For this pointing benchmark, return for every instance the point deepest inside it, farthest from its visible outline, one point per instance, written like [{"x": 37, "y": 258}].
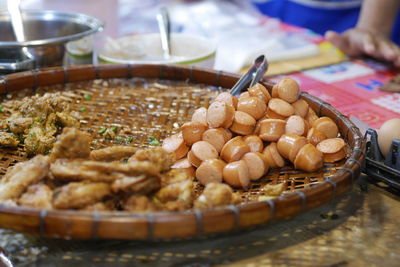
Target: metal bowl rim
[{"x": 93, "y": 23}]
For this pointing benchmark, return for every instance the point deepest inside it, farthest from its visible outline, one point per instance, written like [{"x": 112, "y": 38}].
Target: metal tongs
[
  {"x": 253, "y": 75},
  {"x": 164, "y": 26},
  {"x": 14, "y": 11}
]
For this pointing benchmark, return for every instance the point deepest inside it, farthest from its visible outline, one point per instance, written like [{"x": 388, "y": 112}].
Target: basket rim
[{"x": 265, "y": 211}]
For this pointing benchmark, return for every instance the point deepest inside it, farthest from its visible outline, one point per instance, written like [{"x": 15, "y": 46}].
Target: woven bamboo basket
[{"x": 305, "y": 191}]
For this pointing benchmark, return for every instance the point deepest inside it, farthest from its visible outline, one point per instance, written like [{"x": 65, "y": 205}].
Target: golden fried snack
[
  {"x": 99, "y": 206},
  {"x": 8, "y": 139},
  {"x": 176, "y": 196},
  {"x": 72, "y": 143},
  {"x": 17, "y": 124},
  {"x": 272, "y": 191},
  {"x": 138, "y": 203},
  {"x": 80, "y": 194},
  {"x": 176, "y": 175},
  {"x": 66, "y": 120},
  {"x": 214, "y": 195},
  {"x": 113, "y": 153},
  {"x": 37, "y": 196},
  {"x": 156, "y": 155},
  {"x": 65, "y": 169},
  {"x": 141, "y": 184},
  {"x": 130, "y": 168},
  {"x": 23, "y": 174}
]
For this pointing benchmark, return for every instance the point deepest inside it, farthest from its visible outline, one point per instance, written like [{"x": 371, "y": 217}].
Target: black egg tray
[{"x": 385, "y": 169}]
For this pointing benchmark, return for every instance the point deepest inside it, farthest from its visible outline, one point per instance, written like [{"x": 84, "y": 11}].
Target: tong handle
[{"x": 253, "y": 75}]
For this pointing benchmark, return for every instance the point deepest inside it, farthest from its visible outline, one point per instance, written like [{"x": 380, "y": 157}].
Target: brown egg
[{"x": 389, "y": 131}]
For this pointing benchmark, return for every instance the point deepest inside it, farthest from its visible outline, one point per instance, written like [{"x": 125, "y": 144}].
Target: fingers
[
  {"x": 368, "y": 44},
  {"x": 389, "y": 51},
  {"x": 383, "y": 49},
  {"x": 340, "y": 41},
  {"x": 356, "y": 42}
]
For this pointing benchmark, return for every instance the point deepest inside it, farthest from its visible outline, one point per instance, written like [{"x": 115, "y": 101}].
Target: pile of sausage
[{"x": 237, "y": 140}]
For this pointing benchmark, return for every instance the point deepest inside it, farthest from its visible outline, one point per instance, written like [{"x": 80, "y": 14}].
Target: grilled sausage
[
  {"x": 308, "y": 159},
  {"x": 184, "y": 165},
  {"x": 210, "y": 171},
  {"x": 290, "y": 144},
  {"x": 234, "y": 149},
  {"x": 253, "y": 106},
  {"x": 315, "y": 136},
  {"x": 192, "y": 132},
  {"x": 278, "y": 108},
  {"x": 200, "y": 152},
  {"x": 272, "y": 156},
  {"x": 296, "y": 125},
  {"x": 271, "y": 129},
  {"x": 254, "y": 142},
  {"x": 228, "y": 98},
  {"x": 256, "y": 163},
  {"x": 333, "y": 149},
  {"x": 175, "y": 144},
  {"x": 300, "y": 107},
  {"x": 327, "y": 126},
  {"x": 258, "y": 90},
  {"x": 217, "y": 137},
  {"x": 220, "y": 114},
  {"x": 236, "y": 174},
  {"x": 200, "y": 115},
  {"x": 288, "y": 90},
  {"x": 243, "y": 123}
]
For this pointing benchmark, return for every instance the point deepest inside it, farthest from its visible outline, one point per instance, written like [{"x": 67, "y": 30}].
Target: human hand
[{"x": 356, "y": 42}]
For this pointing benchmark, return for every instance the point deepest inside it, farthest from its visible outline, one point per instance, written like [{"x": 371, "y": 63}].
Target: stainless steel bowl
[{"x": 46, "y": 33}]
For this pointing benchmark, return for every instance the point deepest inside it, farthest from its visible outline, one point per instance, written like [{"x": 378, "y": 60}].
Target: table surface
[{"x": 357, "y": 229}]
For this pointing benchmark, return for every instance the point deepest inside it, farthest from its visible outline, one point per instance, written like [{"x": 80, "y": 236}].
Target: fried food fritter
[
  {"x": 18, "y": 125},
  {"x": 214, "y": 195},
  {"x": 77, "y": 195},
  {"x": 142, "y": 184},
  {"x": 37, "y": 196},
  {"x": 174, "y": 176},
  {"x": 274, "y": 190},
  {"x": 66, "y": 120},
  {"x": 157, "y": 155},
  {"x": 8, "y": 139},
  {"x": 100, "y": 206},
  {"x": 23, "y": 174},
  {"x": 113, "y": 153},
  {"x": 38, "y": 141},
  {"x": 176, "y": 196},
  {"x": 71, "y": 144},
  {"x": 131, "y": 168},
  {"x": 65, "y": 169},
  {"x": 37, "y": 119},
  {"x": 138, "y": 203}
]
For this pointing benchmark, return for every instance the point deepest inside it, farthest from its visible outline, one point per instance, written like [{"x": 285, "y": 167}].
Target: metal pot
[{"x": 46, "y": 33}]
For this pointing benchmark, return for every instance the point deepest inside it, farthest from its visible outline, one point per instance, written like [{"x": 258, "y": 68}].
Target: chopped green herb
[
  {"x": 102, "y": 130},
  {"x": 119, "y": 139},
  {"x": 153, "y": 141},
  {"x": 1, "y": 108},
  {"x": 38, "y": 119},
  {"x": 128, "y": 140},
  {"x": 87, "y": 97},
  {"x": 114, "y": 129},
  {"x": 82, "y": 109}
]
